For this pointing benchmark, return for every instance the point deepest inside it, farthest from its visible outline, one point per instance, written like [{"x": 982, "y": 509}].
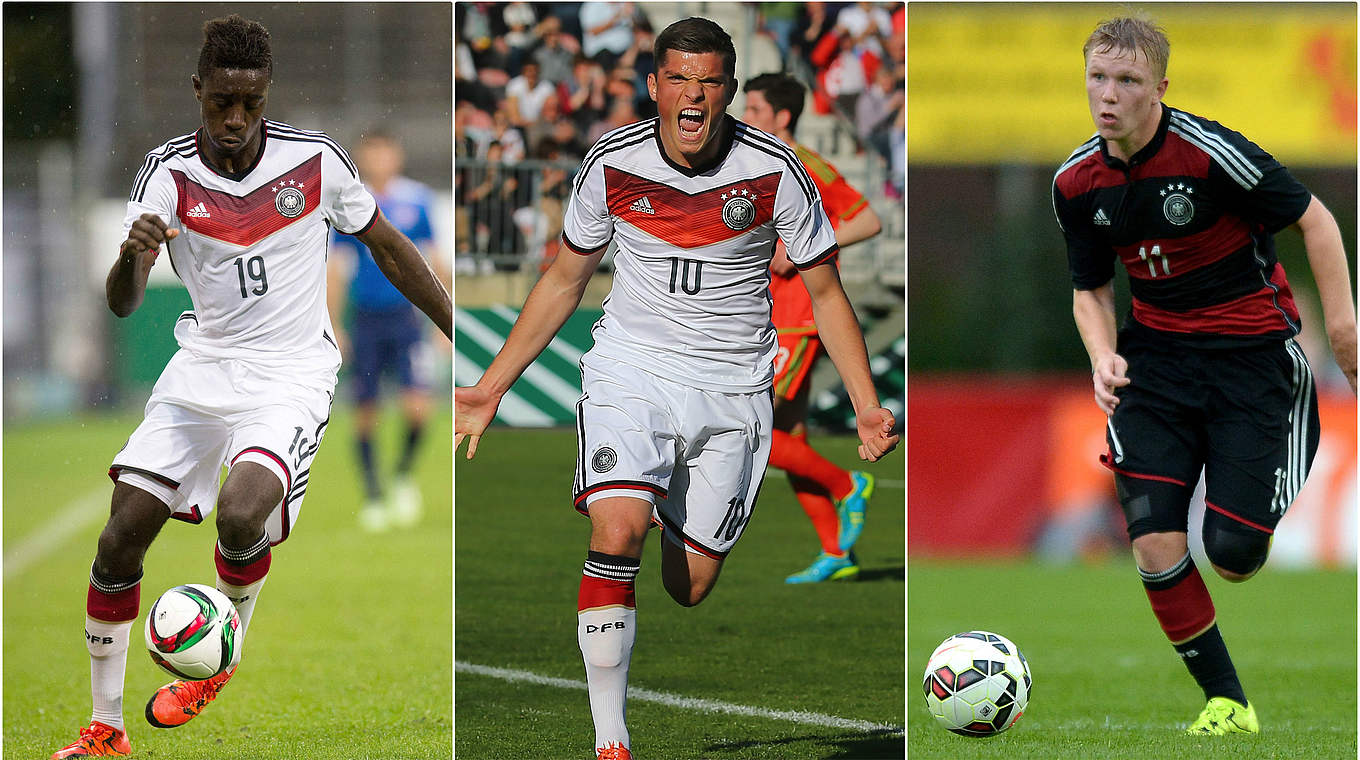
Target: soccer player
[
  {"x": 1205, "y": 373},
  {"x": 385, "y": 333},
  {"x": 241, "y": 206},
  {"x": 833, "y": 498},
  {"x": 675, "y": 415}
]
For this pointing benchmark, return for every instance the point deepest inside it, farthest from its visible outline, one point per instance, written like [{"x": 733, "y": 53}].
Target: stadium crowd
[{"x": 538, "y": 83}]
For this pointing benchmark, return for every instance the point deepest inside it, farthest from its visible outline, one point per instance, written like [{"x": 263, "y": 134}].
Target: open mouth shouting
[{"x": 691, "y": 123}]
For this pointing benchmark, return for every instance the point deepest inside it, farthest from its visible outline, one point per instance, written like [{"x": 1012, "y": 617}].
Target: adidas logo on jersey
[
  {"x": 199, "y": 212},
  {"x": 1100, "y": 218},
  {"x": 642, "y": 205}
]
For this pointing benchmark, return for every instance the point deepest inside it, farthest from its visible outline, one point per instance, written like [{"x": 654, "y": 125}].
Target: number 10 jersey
[
  {"x": 251, "y": 248},
  {"x": 690, "y": 299}
]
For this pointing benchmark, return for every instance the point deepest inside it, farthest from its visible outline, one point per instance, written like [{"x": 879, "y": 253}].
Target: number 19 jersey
[
  {"x": 252, "y": 246},
  {"x": 691, "y": 298}
]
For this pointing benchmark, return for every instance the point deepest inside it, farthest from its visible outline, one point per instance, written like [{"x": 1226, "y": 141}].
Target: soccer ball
[
  {"x": 977, "y": 683},
  {"x": 193, "y": 632}
]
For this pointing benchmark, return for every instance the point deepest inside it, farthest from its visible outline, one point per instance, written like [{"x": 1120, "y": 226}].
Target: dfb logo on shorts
[
  {"x": 604, "y": 460},
  {"x": 290, "y": 202},
  {"x": 615, "y": 626}
]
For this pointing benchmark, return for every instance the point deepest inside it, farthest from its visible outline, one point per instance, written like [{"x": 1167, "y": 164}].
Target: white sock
[
  {"x": 244, "y": 597},
  {"x": 606, "y": 639},
  {"x": 108, "y": 645}
]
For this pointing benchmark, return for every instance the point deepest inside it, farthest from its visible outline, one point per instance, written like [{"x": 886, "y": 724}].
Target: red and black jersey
[{"x": 1192, "y": 216}]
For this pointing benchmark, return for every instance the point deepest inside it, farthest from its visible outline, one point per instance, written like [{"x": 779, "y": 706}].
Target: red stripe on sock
[
  {"x": 794, "y": 456},
  {"x": 114, "y": 608},
  {"x": 1184, "y": 610},
  {"x": 598, "y": 592},
  {"x": 241, "y": 575}
]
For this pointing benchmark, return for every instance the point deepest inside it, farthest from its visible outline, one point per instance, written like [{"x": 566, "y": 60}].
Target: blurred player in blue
[{"x": 382, "y": 334}]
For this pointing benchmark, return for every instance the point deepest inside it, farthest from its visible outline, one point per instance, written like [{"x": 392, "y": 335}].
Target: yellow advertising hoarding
[{"x": 1003, "y": 82}]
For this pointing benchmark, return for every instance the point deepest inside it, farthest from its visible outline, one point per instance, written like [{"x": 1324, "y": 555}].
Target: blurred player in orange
[{"x": 833, "y": 498}]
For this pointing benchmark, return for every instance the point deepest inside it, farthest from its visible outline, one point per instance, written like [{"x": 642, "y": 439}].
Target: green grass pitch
[
  {"x": 834, "y": 650},
  {"x": 349, "y": 655},
  {"x": 1106, "y": 682}
]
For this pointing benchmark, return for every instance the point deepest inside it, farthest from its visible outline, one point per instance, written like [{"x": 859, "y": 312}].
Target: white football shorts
[
  {"x": 208, "y": 413},
  {"x": 698, "y": 456}
]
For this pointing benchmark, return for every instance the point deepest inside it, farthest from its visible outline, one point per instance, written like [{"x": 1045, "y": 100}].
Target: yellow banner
[{"x": 1002, "y": 82}]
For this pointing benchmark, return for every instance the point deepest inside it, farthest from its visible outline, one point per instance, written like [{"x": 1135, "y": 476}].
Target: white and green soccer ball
[
  {"x": 977, "y": 683},
  {"x": 193, "y": 632}
]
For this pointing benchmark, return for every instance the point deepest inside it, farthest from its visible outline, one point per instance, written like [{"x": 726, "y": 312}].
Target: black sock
[
  {"x": 408, "y": 452},
  {"x": 1206, "y": 656},
  {"x": 370, "y": 471}
]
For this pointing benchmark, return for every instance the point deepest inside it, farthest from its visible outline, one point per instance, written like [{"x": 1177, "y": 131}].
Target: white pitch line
[
  {"x": 52, "y": 534},
  {"x": 688, "y": 703}
]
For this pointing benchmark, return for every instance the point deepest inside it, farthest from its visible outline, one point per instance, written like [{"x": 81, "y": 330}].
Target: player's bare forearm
[
  {"x": 1093, "y": 311},
  {"x": 125, "y": 286},
  {"x": 839, "y": 330},
  {"x": 1331, "y": 271},
  {"x": 549, "y": 305},
  {"x": 862, "y": 226},
  {"x": 407, "y": 270}
]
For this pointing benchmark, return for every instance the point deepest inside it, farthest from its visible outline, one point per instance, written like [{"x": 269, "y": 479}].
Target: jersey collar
[
  {"x": 233, "y": 176},
  {"x": 726, "y": 137},
  {"x": 1147, "y": 151}
]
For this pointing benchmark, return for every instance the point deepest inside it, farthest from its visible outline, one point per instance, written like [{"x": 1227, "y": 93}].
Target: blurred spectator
[
  {"x": 867, "y": 24},
  {"x": 552, "y": 126},
  {"x": 814, "y": 24},
  {"x": 606, "y": 31},
  {"x": 484, "y": 32},
  {"x": 876, "y": 108},
  {"x": 586, "y": 102},
  {"x": 621, "y": 113},
  {"x": 844, "y": 79},
  {"x": 779, "y": 20},
  {"x": 553, "y": 57},
  {"x": 524, "y": 95},
  {"x": 490, "y": 201},
  {"x": 519, "y": 35},
  {"x": 510, "y": 139}
]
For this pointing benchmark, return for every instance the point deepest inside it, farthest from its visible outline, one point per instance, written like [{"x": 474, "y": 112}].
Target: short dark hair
[
  {"x": 696, "y": 35},
  {"x": 783, "y": 92},
  {"x": 234, "y": 43}
]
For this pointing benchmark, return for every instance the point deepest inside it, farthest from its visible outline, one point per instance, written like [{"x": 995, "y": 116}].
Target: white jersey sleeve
[
  {"x": 801, "y": 221},
  {"x": 345, "y": 202},
  {"x": 588, "y": 224},
  {"x": 153, "y": 193}
]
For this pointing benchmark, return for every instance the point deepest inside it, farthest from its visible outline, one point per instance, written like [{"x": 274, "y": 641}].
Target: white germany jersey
[
  {"x": 252, "y": 246},
  {"x": 691, "y": 298}
]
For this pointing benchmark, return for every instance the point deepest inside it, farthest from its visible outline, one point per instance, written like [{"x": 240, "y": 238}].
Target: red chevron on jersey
[
  {"x": 245, "y": 220},
  {"x": 690, "y": 221}
]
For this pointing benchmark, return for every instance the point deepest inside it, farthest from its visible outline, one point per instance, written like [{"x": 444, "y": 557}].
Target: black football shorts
[{"x": 1247, "y": 416}]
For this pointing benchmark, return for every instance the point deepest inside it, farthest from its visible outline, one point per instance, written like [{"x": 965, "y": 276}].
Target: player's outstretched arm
[
  {"x": 547, "y": 308},
  {"x": 405, "y": 268},
  {"x": 839, "y": 330},
  {"x": 125, "y": 286},
  {"x": 1331, "y": 272},
  {"x": 1093, "y": 311}
]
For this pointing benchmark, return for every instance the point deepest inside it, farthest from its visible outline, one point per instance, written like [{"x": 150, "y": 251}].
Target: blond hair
[{"x": 1134, "y": 35}]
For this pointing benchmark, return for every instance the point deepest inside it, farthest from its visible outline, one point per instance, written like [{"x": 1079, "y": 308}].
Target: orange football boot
[
  {"x": 99, "y": 740},
  {"x": 178, "y": 702}
]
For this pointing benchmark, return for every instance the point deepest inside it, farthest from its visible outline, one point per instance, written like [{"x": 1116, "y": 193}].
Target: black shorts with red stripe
[{"x": 1246, "y": 417}]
